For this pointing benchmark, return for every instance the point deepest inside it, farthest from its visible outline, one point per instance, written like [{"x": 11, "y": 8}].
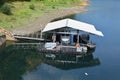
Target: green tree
[{"x": 6, "y": 9}]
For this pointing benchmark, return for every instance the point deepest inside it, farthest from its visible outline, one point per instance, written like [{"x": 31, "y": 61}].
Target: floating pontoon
[{"x": 66, "y": 37}]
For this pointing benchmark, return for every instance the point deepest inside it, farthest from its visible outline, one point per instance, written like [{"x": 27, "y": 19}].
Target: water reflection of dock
[
  {"x": 60, "y": 60},
  {"x": 67, "y": 62},
  {"x": 26, "y": 45}
]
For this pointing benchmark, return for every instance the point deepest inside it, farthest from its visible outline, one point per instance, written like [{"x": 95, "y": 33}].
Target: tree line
[{"x": 3, "y": 1}]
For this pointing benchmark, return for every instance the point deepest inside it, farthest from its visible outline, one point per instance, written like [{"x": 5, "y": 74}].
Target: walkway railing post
[{"x": 41, "y": 34}]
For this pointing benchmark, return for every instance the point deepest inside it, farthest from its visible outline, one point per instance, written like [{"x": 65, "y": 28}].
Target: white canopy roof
[{"x": 72, "y": 24}]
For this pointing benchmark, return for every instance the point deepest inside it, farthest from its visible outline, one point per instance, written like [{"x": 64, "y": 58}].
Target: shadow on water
[
  {"x": 14, "y": 62},
  {"x": 70, "y": 61}
]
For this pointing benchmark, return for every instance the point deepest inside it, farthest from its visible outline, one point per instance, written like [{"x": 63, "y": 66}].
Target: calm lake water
[{"x": 27, "y": 64}]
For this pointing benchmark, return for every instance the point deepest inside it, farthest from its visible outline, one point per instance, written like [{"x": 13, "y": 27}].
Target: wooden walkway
[
  {"x": 28, "y": 38},
  {"x": 11, "y": 36}
]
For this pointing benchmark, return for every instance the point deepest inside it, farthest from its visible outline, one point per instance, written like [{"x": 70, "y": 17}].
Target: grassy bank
[{"x": 26, "y": 12}]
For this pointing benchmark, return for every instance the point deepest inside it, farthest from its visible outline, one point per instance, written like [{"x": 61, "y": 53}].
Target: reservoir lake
[{"x": 28, "y": 64}]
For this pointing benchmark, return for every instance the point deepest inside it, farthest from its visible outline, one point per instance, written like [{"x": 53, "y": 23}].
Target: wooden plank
[{"x": 30, "y": 38}]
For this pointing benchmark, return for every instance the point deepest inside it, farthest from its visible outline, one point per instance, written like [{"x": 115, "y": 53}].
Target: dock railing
[{"x": 27, "y": 45}]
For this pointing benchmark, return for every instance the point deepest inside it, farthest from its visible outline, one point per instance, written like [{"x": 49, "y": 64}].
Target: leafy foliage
[
  {"x": 32, "y": 6},
  {"x": 12, "y": 0},
  {"x": 6, "y": 9}
]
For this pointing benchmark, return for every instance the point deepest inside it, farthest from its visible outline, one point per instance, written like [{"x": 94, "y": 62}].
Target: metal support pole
[
  {"x": 77, "y": 36},
  {"x": 54, "y": 37},
  {"x": 41, "y": 34}
]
